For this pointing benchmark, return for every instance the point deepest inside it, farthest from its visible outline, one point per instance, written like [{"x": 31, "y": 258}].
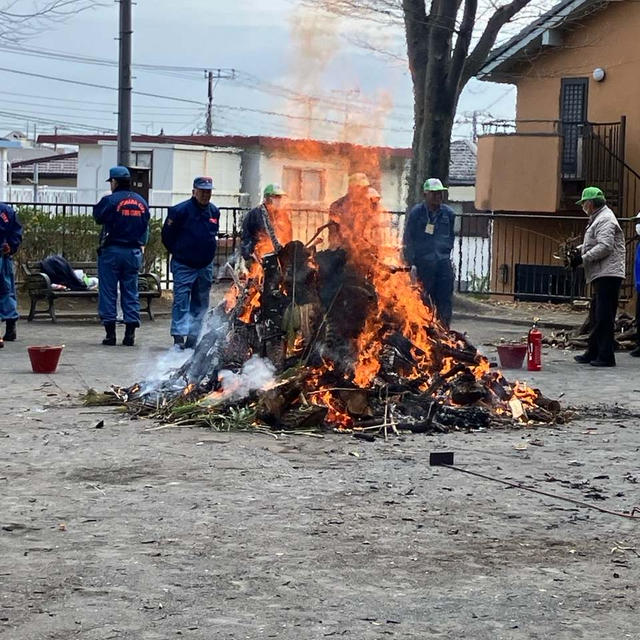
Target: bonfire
[{"x": 337, "y": 337}]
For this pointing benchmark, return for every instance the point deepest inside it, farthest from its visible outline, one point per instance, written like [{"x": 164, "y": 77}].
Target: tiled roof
[
  {"x": 462, "y": 166},
  {"x": 58, "y": 165}
]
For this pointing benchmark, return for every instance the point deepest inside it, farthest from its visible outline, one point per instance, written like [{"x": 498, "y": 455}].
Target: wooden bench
[{"x": 39, "y": 287}]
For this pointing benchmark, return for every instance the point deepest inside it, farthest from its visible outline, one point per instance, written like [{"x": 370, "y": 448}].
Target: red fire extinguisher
[{"x": 534, "y": 348}]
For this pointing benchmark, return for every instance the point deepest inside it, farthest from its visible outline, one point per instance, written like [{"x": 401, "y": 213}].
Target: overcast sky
[{"x": 276, "y": 49}]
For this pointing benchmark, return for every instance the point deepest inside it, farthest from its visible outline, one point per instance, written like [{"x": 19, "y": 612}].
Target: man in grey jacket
[{"x": 602, "y": 254}]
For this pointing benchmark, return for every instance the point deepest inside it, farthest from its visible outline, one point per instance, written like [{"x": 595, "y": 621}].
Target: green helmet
[
  {"x": 433, "y": 184},
  {"x": 590, "y": 193},
  {"x": 274, "y": 190}
]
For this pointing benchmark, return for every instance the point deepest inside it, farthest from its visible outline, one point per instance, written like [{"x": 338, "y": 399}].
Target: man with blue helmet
[
  {"x": 190, "y": 235},
  {"x": 10, "y": 239},
  {"x": 124, "y": 216}
]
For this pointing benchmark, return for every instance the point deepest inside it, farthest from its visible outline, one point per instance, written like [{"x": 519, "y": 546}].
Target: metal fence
[{"x": 516, "y": 255}]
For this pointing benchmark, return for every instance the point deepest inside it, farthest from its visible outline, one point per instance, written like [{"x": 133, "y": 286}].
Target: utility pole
[
  {"x": 124, "y": 85},
  {"x": 348, "y": 95},
  {"x": 211, "y": 75},
  {"x": 474, "y": 124},
  {"x": 309, "y": 102}
]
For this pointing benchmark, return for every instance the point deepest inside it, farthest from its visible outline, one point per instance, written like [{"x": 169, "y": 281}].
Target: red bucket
[
  {"x": 44, "y": 358},
  {"x": 512, "y": 355}
]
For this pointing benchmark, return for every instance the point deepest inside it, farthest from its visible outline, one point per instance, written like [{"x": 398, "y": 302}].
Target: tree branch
[
  {"x": 462, "y": 44},
  {"x": 17, "y": 25},
  {"x": 478, "y": 56}
]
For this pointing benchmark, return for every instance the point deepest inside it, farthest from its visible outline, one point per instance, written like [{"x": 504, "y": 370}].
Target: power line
[
  {"x": 245, "y": 79},
  {"x": 187, "y": 100}
]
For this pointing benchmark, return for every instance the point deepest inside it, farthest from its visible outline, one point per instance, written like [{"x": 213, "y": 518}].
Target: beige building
[{"x": 577, "y": 124}]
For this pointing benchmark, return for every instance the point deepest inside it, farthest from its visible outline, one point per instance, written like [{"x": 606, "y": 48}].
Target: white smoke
[
  {"x": 157, "y": 371},
  {"x": 256, "y": 373}
]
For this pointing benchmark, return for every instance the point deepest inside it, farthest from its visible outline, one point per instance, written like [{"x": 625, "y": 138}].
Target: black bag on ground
[{"x": 60, "y": 272}]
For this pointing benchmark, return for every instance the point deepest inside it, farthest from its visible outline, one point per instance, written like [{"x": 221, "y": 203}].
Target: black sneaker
[
  {"x": 583, "y": 358},
  {"x": 635, "y": 353}
]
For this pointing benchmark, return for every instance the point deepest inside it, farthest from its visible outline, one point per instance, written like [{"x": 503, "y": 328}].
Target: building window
[
  {"x": 143, "y": 159},
  {"x": 304, "y": 185}
]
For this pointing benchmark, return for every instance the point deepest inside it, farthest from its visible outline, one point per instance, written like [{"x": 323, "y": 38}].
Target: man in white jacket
[{"x": 602, "y": 254}]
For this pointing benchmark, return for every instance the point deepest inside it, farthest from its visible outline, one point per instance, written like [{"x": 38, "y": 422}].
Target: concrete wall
[{"x": 518, "y": 173}]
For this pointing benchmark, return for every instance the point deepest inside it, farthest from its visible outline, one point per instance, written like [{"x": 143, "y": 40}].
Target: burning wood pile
[{"x": 336, "y": 338}]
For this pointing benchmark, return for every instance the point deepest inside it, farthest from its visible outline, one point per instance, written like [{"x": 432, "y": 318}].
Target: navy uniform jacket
[
  {"x": 253, "y": 227},
  {"x": 422, "y": 248},
  {"x": 124, "y": 216},
  {"x": 190, "y": 233},
  {"x": 10, "y": 228}
]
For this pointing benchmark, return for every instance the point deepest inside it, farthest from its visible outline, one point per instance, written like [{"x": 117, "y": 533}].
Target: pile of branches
[{"x": 625, "y": 335}]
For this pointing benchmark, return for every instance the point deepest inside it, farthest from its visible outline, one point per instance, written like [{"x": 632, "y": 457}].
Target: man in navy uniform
[
  {"x": 124, "y": 216},
  {"x": 190, "y": 234},
  {"x": 428, "y": 242},
  {"x": 10, "y": 239}
]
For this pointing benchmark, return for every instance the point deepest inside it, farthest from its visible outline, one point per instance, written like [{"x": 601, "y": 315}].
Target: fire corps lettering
[{"x": 130, "y": 207}]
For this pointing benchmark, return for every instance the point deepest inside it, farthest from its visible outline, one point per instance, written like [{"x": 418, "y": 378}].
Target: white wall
[
  {"x": 251, "y": 178},
  {"x": 462, "y": 193},
  {"x": 393, "y": 187},
  {"x": 174, "y": 168},
  {"x": 91, "y": 174}
]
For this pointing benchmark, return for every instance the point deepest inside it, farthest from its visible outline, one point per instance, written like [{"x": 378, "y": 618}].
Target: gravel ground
[{"x": 127, "y": 532}]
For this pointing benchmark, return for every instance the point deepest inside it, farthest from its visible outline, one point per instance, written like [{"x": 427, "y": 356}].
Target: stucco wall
[{"x": 518, "y": 173}]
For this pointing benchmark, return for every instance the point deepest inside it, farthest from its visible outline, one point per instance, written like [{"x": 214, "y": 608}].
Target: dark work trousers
[
  {"x": 437, "y": 280},
  {"x": 605, "y": 299},
  {"x": 638, "y": 318}
]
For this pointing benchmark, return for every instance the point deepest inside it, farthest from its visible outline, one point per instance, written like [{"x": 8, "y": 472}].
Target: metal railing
[
  {"x": 522, "y": 127},
  {"x": 494, "y": 254}
]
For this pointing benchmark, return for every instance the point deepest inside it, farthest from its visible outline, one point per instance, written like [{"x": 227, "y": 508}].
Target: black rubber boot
[
  {"x": 191, "y": 342},
  {"x": 10, "y": 331},
  {"x": 129, "y": 335},
  {"x": 178, "y": 343},
  {"x": 110, "y": 330}
]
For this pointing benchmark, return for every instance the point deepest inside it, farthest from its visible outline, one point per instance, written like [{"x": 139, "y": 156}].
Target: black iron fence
[{"x": 516, "y": 255}]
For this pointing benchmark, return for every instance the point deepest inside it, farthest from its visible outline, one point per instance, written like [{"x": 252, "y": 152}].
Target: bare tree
[
  {"x": 448, "y": 41},
  {"x": 21, "y": 19}
]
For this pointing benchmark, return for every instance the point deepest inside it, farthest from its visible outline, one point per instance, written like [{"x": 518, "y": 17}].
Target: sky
[{"x": 279, "y": 51}]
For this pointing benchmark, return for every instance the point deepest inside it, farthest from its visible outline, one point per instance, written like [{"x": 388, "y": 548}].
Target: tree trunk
[{"x": 431, "y": 139}]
